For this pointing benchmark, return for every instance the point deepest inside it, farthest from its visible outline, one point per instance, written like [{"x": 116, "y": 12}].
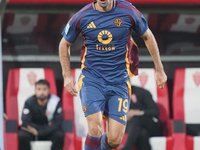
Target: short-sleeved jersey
[{"x": 109, "y": 54}]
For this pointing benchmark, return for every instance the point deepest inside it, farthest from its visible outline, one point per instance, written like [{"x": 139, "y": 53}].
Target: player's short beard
[{"x": 104, "y": 5}]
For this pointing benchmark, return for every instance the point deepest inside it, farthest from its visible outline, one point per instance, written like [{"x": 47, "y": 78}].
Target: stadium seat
[
  {"x": 146, "y": 79},
  {"x": 73, "y": 112},
  {"x": 43, "y": 145},
  {"x": 20, "y": 86},
  {"x": 186, "y": 105}
]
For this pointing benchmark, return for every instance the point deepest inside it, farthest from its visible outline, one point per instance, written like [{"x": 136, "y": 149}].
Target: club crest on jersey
[
  {"x": 118, "y": 22},
  {"x": 84, "y": 108},
  {"x": 105, "y": 37}
]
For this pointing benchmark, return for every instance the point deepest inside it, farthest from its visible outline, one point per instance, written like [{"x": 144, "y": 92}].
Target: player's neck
[{"x": 108, "y": 8}]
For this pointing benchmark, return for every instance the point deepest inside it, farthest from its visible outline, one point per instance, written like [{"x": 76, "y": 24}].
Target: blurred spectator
[
  {"x": 143, "y": 121},
  {"x": 42, "y": 118}
]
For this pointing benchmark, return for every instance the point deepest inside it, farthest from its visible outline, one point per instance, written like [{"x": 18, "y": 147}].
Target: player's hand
[
  {"x": 161, "y": 78},
  {"x": 31, "y": 130},
  {"x": 133, "y": 112},
  {"x": 69, "y": 84},
  {"x": 49, "y": 123}
]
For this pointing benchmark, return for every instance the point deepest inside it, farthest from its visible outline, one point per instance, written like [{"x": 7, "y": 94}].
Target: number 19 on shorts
[{"x": 123, "y": 105}]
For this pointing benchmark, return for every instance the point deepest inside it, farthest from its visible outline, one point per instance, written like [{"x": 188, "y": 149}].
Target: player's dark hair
[{"x": 42, "y": 81}]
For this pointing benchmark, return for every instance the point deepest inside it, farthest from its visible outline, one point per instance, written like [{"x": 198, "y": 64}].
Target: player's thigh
[
  {"x": 92, "y": 98},
  {"x": 117, "y": 107},
  {"x": 117, "y": 112},
  {"x": 115, "y": 131},
  {"x": 95, "y": 124}
]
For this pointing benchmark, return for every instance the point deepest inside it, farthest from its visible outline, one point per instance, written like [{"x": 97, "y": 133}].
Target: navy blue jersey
[{"x": 108, "y": 53}]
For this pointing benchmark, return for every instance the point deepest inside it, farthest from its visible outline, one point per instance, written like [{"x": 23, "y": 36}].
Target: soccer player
[{"x": 109, "y": 57}]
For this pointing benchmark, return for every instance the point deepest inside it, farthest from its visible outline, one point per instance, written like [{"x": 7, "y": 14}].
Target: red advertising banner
[{"x": 88, "y": 1}]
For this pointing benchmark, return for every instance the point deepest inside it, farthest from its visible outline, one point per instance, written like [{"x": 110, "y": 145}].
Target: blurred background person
[
  {"x": 143, "y": 121},
  {"x": 42, "y": 118}
]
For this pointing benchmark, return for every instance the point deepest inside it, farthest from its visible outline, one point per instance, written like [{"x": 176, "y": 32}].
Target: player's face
[
  {"x": 41, "y": 92},
  {"x": 104, "y": 3}
]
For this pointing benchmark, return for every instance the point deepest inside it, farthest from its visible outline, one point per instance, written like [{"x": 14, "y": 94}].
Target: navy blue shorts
[{"x": 113, "y": 99}]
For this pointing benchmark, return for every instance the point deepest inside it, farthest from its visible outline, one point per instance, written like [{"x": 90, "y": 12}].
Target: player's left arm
[{"x": 152, "y": 47}]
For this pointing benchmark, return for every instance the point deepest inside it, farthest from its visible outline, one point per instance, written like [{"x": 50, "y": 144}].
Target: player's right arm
[
  {"x": 64, "y": 54},
  {"x": 70, "y": 33}
]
